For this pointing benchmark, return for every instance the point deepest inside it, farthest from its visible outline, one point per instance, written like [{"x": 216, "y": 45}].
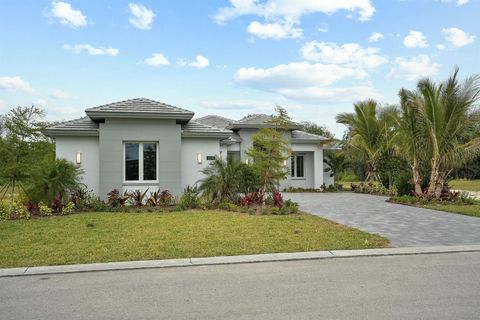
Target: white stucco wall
[
  {"x": 314, "y": 164},
  {"x": 190, "y": 169},
  {"x": 67, "y": 148}
]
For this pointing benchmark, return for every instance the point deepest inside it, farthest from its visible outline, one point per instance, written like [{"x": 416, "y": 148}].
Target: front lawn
[
  {"x": 103, "y": 237},
  {"x": 467, "y": 185},
  {"x": 469, "y": 210}
]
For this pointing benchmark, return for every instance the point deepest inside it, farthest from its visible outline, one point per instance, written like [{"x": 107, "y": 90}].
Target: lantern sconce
[
  {"x": 78, "y": 158},
  {"x": 199, "y": 158},
  {"x": 284, "y": 163},
  {"x": 247, "y": 161}
]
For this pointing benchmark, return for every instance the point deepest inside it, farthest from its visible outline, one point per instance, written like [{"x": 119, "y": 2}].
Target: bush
[
  {"x": 138, "y": 197},
  {"x": 189, "y": 198},
  {"x": 376, "y": 189},
  {"x": 165, "y": 198},
  {"x": 116, "y": 199},
  {"x": 277, "y": 199},
  {"x": 44, "y": 210},
  {"x": 228, "y": 206},
  {"x": 68, "y": 209},
  {"x": 290, "y": 207},
  {"x": 55, "y": 179},
  {"x": 19, "y": 211}
]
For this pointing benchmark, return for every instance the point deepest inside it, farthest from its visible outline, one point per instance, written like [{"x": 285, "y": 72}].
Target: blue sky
[{"x": 232, "y": 58}]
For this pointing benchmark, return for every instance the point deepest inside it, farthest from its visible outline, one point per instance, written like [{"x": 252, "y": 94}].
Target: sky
[{"x": 231, "y": 58}]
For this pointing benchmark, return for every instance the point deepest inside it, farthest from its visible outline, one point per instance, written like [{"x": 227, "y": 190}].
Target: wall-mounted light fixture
[
  {"x": 199, "y": 158},
  {"x": 78, "y": 157},
  {"x": 247, "y": 161},
  {"x": 284, "y": 163}
]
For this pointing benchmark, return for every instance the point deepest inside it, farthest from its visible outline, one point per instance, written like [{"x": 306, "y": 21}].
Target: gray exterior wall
[
  {"x": 114, "y": 132},
  {"x": 190, "y": 166},
  {"x": 67, "y": 148}
]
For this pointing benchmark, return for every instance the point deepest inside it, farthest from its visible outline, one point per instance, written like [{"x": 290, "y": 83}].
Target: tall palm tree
[
  {"x": 410, "y": 138},
  {"x": 371, "y": 131},
  {"x": 448, "y": 112}
]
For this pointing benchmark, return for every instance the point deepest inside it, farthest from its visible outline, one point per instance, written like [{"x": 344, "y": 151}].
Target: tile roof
[
  {"x": 216, "y": 121},
  {"x": 257, "y": 121},
  {"x": 82, "y": 126},
  {"x": 139, "y": 108},
  {"x": 195, "y": 129},
  {"x": 302, "y": 136}
]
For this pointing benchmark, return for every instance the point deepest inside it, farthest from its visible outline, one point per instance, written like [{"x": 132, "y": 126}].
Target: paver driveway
[{"x": 405, "y": 226}]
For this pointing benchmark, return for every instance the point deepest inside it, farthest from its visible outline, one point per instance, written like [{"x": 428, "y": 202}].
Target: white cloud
[
  {"x": 59, "y": 94},
  {"x": 295, "y": 74},
  {"x": 142, "y": 17},
  {"x": 157, "y": 60},
  {"x": 91, "y": 50},
  {"x": 67, "y": 15},
  {"x": 293, "y": 10},
  {"x": 304, "y": 81},
  {"x": 350, "y": 54},
  {"x": 274, "y": 30},
  {"x": 15, "y": 83},
  {"x": 459, "y": 2},
  {"x": 40, "y": 103},
  {"x": 415, "y": 39},
  {"x": 2, "y": 104},
  {"x": 200, "y": 62},
  {"x": 458, "y": 37},
  {"x": 413, "y": 68},
  {"x": 375, "y": 37},
  {"x": 441, "y": 46},
  {"x": 331, "y": 95}
]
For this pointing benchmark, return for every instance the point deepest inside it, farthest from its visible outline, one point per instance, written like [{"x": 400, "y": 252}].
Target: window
[
  {"x": 297, "y": 168},
  {"x": 140, "y": 161}
]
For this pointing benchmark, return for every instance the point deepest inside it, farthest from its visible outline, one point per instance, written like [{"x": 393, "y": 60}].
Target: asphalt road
[{"x": 433, "y": 286}]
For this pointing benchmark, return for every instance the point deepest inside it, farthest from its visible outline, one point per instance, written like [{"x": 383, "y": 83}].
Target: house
[{"x": 141, "y": 143}]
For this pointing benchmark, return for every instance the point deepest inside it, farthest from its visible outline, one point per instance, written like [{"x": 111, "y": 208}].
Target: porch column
[{"x": 318, "y": 167}]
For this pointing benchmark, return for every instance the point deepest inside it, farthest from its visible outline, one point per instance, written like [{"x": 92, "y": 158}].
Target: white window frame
[
  {"x": 295, "y": 175},
  {"x": 140, "y": 162}
]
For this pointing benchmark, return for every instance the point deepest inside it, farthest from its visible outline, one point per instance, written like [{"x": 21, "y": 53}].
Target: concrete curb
[{"x": 256, "y": 258}]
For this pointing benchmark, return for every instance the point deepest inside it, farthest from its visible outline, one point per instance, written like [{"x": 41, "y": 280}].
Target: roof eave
[
  {"x": 98, "y": 115},
  {"x": 70, "y": 133},
  {"x": 258, "y": 126},
  {"x": 215, "y": 135}
]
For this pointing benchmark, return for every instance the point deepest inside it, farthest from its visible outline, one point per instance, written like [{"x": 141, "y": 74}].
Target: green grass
[
  {"x": 469, "y": 210},
  {"x": 103, "y": 237},
  {"x": 463, "y": 184}
]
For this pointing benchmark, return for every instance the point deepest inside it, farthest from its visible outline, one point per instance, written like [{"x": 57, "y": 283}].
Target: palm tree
[
  {"x": 371, "y": 131},
  {"x": 447, "y": 109},
  {"x": 410, "y": 138},
  {"x": 221, "y": 180}
]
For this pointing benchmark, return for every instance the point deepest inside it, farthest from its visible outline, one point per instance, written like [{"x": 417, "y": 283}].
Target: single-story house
[{"x": 141, "y": 143}]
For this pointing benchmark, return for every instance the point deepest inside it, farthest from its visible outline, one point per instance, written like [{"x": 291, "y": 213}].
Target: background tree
[
  {"x": 336, "y": 163},
  {"x": 370, "y": 131},
  {"x": 270, "y": 150},
  {"x": 447, "y": 109},
  {"x": 320, "y": 130}
]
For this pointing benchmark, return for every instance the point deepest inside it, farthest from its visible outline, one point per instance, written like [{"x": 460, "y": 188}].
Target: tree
[
  {"x": 336, "y": 164},
  {"x": 221, "y": 180},
  {"x": 447, "y": 109},
  {"x": 270, "y": 151},
  {"x": 314, "y": 128},
  {"x": 410, "y": 140},
  {"x": 370, "y": 131}
]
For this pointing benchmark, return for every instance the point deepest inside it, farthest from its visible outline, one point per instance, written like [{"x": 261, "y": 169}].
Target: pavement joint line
[{"x": 226, "y": 260}]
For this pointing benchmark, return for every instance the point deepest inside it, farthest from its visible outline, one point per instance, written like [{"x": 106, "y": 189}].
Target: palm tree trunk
[
  {"x": 372, "y": 171},
  {"x": 417, "y": 179},
  {"x": 434, "y": 179}
]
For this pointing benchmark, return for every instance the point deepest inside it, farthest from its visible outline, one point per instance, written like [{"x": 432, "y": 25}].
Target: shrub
[
  {"x": 228, "y": 206},
  {"x": 68, "y": 209},
  {"x": 44, "y": 210},
  {"x": 165, "y": 198},
  {"x": 290, "y": 207},
  {"x": 275, "y": 211},
  {"x": 55, "y": 179},
  {"x": 189, "y": 198},
  {"x": 154, "y": 199},
  {"x": 138, "y": 197},
  {"x": 277, "y": 199},
  {"x": 116, "y": 199},
  {"x": 4, "y": 212},
  {"x": 19, "y": 211}
]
